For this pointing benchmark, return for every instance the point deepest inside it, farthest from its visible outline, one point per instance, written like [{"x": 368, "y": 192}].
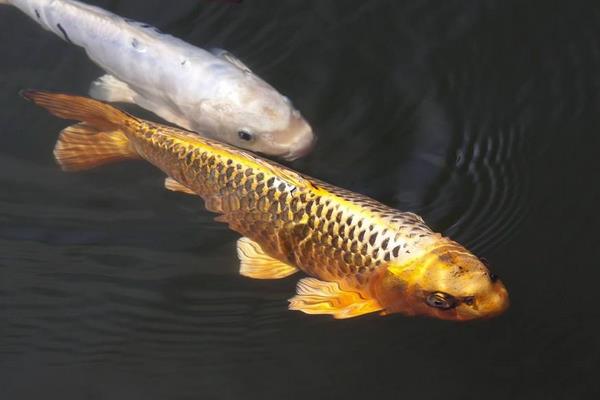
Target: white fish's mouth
[{"x": 292, "y": 155}]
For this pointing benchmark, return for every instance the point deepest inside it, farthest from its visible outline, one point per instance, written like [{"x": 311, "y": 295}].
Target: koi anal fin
[
  {"x": 175, "y": 186},
  {"x": 255, "y": 263},
  {"x": 320, "y": 297}
]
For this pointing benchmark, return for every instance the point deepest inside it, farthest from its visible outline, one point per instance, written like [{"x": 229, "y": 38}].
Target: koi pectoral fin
[
  {"x": 175, "y": 186},
  {"x": 255, "y": 263},
  {"x": 320, "y": 297}
]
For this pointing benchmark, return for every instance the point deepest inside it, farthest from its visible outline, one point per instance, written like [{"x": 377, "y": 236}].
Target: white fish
[{"x": 209, "y": 92}]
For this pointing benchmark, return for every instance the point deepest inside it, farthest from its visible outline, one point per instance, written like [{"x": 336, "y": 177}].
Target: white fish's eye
[
  {"x": 245, "y": 135},
  {"x": 287, "y": 100}
]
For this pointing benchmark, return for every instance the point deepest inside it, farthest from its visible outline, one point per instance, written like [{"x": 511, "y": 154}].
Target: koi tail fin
[
  {"x": 82, "y": 146},
  {"x": 96, "y": 113},
  {"x": 99, "y": 139}
]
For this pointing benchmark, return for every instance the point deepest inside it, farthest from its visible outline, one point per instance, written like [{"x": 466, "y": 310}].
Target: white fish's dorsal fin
[
  {"x": 319, "y": 297},
  {"x": 255, "y": 263},
  {"x": 109, "y": 88},
  {"x": 143, "y": 25},
  {"x": 227, "y": 56}
]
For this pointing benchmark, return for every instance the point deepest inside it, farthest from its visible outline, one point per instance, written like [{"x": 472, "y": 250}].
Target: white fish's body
[{"x": 209, "y": 92}]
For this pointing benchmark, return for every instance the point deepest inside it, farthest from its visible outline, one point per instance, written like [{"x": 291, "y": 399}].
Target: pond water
[{"x": 482, "y": 117}]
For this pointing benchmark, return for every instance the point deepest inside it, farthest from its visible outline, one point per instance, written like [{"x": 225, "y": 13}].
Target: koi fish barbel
[{"x": 361, "y": 256}]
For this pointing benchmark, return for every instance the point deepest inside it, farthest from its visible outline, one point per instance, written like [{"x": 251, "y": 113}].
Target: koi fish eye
[
  {"x": 441, "y": 300},
  {"x": 245, "y": 135}
]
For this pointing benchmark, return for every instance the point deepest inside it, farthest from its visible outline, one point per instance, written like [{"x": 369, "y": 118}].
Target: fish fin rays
[
  {"x": 314, "y": 296},
  {"x": 175, "y": 186},
  {"x": 221, "y": 218},
  {"x": 100, "y": 115},
  {"x": 81, "y": 146},
  {"x": 109, "y": 88},
  {"x": 255, "y": 263},
  {"x": 99, "y": 139}
]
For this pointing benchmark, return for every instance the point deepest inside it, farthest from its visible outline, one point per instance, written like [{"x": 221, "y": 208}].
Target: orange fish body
[{"x": 362, "y": 256}]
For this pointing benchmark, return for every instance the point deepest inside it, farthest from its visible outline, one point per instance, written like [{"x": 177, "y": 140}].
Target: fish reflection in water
[{"x": 362, "y": 256}]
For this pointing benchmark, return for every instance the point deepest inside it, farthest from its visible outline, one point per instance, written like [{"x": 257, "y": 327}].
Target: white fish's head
[
  {"x": 256, "y": 117},
  {"x": 447, "y": 283}
]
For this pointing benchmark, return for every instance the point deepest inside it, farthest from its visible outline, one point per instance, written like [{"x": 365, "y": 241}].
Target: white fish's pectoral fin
[
  {"x": 175, "y": 186},
  {"x": 230, "y": 58},
  {"x": 255, "y": 263},
  {"x": 319, "y": 297},
  {"x": 109, "y": 88}
]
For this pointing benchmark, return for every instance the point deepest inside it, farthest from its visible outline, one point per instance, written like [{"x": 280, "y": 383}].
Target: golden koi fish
[{"x": 361, "y": 255}]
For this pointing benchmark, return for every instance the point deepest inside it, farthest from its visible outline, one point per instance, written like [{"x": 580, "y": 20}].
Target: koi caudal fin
[{"x": 97, "y": 140}]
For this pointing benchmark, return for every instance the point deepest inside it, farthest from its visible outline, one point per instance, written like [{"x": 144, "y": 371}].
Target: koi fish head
[
  {"x": 256, "y": 117},
  {"x": 447, "y": 283}
]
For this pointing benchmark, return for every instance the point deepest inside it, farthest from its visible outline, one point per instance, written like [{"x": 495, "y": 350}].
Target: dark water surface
[{"x": 481, "y": 116}]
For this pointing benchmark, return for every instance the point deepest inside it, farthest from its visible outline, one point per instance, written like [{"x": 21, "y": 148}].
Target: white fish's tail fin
[{"x": 100, "y": 137}]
